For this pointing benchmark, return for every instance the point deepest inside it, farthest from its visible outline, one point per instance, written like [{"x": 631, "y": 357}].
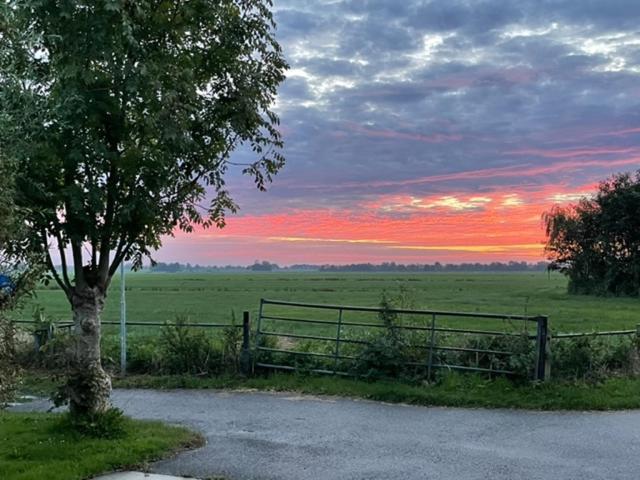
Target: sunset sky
[{"x": 435, "y": 131}]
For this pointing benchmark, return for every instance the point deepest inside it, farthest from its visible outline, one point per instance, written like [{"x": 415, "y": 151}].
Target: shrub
[
  {"x": 386, "y": 354},
  {"x": 521, "y": 361},
  {"x": 383, "y": 357},
  {"x": 185, "y": 349},
  {"x": 575, "y": 359},
  {"x": 592, "y": 357},
  {"x": 266, "y": 341},
  {"x": 55, "y": 353},
  {"x": 45, "y": 346},
  {"x": 107, "y": 425},
  {"x": 143, "y": 353},
  {"x": 231, "y": 343}
]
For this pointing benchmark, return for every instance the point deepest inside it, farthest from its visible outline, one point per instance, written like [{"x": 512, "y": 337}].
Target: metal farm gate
[{"x": 330, "y": 339}]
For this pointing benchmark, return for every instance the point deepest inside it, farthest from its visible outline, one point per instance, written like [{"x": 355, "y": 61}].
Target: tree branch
[
  {"x": 105, "y": 240},
  {"x": 76, "y": 249},
  {"x": 119, "y": 251},
  {"x": 65, "y": 288},
  {"x": 63, "y": 255},
  {"x": 117, "y": 259}
]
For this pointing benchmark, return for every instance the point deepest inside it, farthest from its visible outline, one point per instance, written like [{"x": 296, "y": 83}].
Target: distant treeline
[
  {"x": 264, "y": 266},
  {"x": 176, "y": 267},
  {"x": 438, "y": 267}
]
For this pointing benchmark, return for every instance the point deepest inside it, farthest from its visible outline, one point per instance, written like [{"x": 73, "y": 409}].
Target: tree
[
  {"x": 596, "y": 243},
  {"x": 122, "y": 116}
]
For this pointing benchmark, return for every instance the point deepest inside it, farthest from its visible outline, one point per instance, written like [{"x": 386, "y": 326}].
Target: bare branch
[
  {"x": 119, "y": 259},
  {"x": 76, "y": 249},
  {"x": 66, "y": 288},
  {"x": 105, "y": 240},
  {"x": 120, "y": 251},
  {"x": 63, "y": 257}
]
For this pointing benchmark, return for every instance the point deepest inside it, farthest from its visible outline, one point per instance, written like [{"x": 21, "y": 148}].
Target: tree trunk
[{"x": 89, "y": 386}]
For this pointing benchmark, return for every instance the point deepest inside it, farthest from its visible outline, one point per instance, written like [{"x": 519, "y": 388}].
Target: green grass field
[{"x": 212, "y": 297}]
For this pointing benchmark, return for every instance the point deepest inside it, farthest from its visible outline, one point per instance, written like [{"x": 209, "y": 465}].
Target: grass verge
[
  {"x": 453, "y": 390},
  {"x": 34, "y": 446}
]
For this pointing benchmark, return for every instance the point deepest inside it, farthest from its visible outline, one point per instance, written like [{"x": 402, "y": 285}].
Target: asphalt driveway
[{"x": 261, "y": 436}]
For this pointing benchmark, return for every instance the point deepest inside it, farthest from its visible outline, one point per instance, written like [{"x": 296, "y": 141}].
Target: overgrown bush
[
  {"x": 9, "y": 370},
  {"x": 266, "y": 341},
  {"x": 144, "y": 355},
  {"x": 593, "y": 358},
  {"x": 186, "y": 350},
  {"x": 178, "y": 349},
  {"x": 383, "y": 357},
  {"x": 521, "y": 361},
  {"x": 44, "y": 345},
  {"x": 231, "y": 344},
  {"x": 386, "y": 353}
]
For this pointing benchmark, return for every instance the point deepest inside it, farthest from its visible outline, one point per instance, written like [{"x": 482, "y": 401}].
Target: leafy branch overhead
[{"x": 122, "y": 116}]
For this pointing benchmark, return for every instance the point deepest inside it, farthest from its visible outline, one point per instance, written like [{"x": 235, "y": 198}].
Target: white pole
[{"x": 123, "y": 323}]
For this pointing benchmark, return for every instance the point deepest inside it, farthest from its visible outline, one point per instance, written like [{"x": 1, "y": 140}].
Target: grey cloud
[
  {"x": 609, "y": 14},
  {"x": 325, "y": 67},
  {"x": 405, "y": 110},
  {"x": 468, "y": 16}
]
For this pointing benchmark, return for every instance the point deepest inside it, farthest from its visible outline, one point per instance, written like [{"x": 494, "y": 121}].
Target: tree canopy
[
  {"x": 122, "y": 116},
  {"x": 596, "y": 243},
  {"x": 119, "y": 118}
]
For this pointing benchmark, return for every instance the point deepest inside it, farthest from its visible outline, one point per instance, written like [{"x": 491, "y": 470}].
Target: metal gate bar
[{"x": 540, "y": 369}]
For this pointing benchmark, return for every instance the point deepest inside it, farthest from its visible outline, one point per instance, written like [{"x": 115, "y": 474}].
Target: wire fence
[
  {"x": 612, "y": 333},
  {"x": 344, "y": 332}
]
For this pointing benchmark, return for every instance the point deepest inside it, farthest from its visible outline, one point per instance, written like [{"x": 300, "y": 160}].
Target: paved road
[{"x": 261, "y": 436}]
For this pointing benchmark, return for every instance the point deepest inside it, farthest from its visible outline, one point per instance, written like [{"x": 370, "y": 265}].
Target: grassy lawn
[
  {"x": 212, "y": 297},
  {"x": 38, "y": 446},
  {"x": 453, "y": 391}
]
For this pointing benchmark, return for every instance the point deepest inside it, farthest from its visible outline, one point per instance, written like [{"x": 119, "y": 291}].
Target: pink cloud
[
  {"x": 572, "y": 152},
  {"x": 513, "y": 171}
]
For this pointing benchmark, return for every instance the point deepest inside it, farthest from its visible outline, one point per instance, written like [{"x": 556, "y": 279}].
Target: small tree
[
  {"x": 122, "y": 115},
  {"x": 596, "y": 243}
]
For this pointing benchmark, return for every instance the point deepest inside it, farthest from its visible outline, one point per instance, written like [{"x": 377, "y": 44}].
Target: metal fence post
[
  {"x": 542, "y": 348},
  {"x": 258, "y": 331},
  {"x": 245, "y": 353},
  {"x": 431, "y": 345},
  {"x": 337, "y": 350},
  {"x": 547, "y": 363}
]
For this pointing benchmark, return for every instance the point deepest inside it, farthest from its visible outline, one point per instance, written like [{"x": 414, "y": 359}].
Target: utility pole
[{"x": 123, "y": 323}]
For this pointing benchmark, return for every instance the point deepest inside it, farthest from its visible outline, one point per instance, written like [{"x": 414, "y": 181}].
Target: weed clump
[{"x": 110, "y": 424}]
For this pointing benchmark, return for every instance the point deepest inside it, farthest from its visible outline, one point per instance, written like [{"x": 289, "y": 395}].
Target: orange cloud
[
  {"x": 472, "y": 248},
  {"x": 494, "y": 225}
]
